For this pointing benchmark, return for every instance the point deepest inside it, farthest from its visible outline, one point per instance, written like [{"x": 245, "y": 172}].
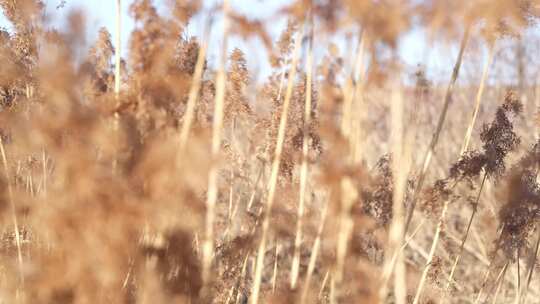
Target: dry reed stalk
[
  {"x": 208, "y": 244},
  {"x": 230, "y": 294},
  {"x": 323, "y": 284},
  {"x": 117, "y": 53},
  {"x": 435, "y": 139},
  {"x": 388, "y": 270},
  {"x": 480, "y": 256},
  {"x": 254, "y": 190},
  {"x": 13, "y": 208},
  {"x": 484, "y": 282},
  {"x": 518, "y": 279},
  {"x": 431, "y": 254},
  {"x": 489, "y": 268},
  {"x": 275, "y": 170},
  {"x": 463, "y": 149},
  {"x": 194, "y": 88},
  {"x": 400, "y": 164},
  {"x": 465, "y": 237},
  {"x": 314, "y": 254},
  {"x": 44, "y": 168},
  {"x": 242, "y": 277},
  {"x": 231, "y": 184},
  {"x": 117, "y": 56},
  {"x": 358, "y": 105},
  {"x": 349, "y": 193},
  {"x": 304, "y": 166},
  {"x": 275, "y": 272},
  {"x": 499, "y": 282},
  {"x": 479, "y": 93},
  {"x": 532, "y": 263},
  {"x": 435, "y": 241}
]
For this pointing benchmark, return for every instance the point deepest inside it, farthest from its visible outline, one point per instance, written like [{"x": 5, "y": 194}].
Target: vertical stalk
[
  {"x": 304, "y": 167},
  {"x": 479, "y": 93},
  {"x": 400, "y": 164},
  {"x": 435, "y": 139},
  {"x": 118, "y": 48},
  {"x": 518, "y": 279},
  {"x": 488, "y": 272},
  {"x": 348, "y": 191},
  {"x": 275, "y": 273},
  {"x": 499, "y": 282},
  {"x": 314, "y": 254},
  {"x": 431, "y": 255},
  {"x": 275, "y": 171},
  {"x": 532, "y": 263},
  {"x": 208, "y": 244},
  {"x": 13, "y": 209},
  {"x": 464, "y": 240},
  {"x": 194, "y": 89}
]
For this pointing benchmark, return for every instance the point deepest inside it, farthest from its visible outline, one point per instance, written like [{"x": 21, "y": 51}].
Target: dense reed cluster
[{"x": 156, "y": 175}]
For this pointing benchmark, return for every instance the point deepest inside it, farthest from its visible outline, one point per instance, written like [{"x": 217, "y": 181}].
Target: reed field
[{"x": 173, "y": 172}]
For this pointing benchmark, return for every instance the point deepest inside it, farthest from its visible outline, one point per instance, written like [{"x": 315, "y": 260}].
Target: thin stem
[
  {"x": 254, "y": 189},
  {"x": 348, "y": 191},
  {"x": 304, "y": 168},
  {"x": 400, "y": 167},
  {"x": 488, "y": 272},
  {"x": 435, "y": 139},
  {"x": 431, "y": 253},
  {"x": 44, "y": 167},
  {"x": 518, "y": 278},
  {"x": 275, "y": 171},
  {"x": 465, "y": 237},
  {"x": 208, "y": 244},
  {"x": 13, "y": 209},
  {"x": 531, "y": 265},
  {"x": 500, "y": 280},
  {"x": 276, "y": 259},
  {"x": 479, "y": 93},
  {"x": 194, "y": 89},
  {"x": 118, "y": 51},
  {"x": 314, "y": 254}
]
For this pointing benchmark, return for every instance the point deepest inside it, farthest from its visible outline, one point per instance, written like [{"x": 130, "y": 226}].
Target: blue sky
[{"x": 413, "y": 47}]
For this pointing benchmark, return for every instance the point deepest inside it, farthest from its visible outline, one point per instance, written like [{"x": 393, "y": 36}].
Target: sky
[{"x": 413, "y": 47}]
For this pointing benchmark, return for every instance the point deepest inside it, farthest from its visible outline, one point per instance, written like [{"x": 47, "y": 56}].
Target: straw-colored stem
[
  {"x": 333, "y": 295},
  {"x": 194, "y": 90},
  {"x": 348, "y": 191},
  {"x": 303, "y": 171},
  {"x": 500, "y": 280},
  {"x": 479, "y": 93},
  {"x": 118, "y": 51},
  {"x": 518, "y": 278},
  {"x": 488, "y": 271},
  {"x": 434, "y": 244},
  {"x": 400, "y": 164},
  {"x": 231, "y": 184},
  {"x": 314, "y": 255},
  {"x": 254, "y": 189},
  {"x": 435, "y": 139},
  {"x": 208, "y": 244},
  {"x": 465, "y": 237},
  {"x": 275, "y": 272},
  {"x": 401, "y": 167},
  {"x": 275, "y": 171},
  {"x": 13, "y": 209},
  {"x": 388, "y": 269},
  {"x": 44, "y": 168},
  {"x": 531, "y": 266},
  {"x": 242, "y": 278}
]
